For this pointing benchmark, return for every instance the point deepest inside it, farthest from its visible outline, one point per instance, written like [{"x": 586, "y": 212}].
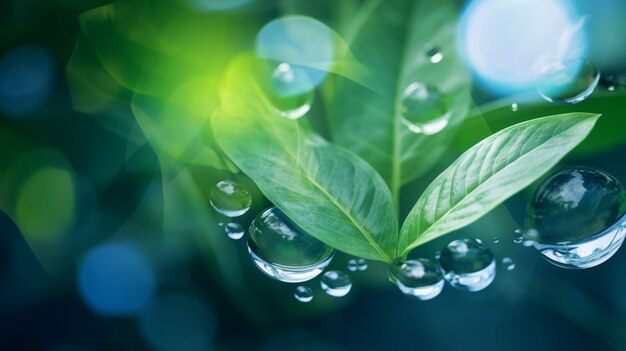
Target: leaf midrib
[{"x": 410, "y": 247}]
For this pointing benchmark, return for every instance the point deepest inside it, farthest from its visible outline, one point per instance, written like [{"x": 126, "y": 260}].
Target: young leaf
[
  {"x": 392, "y": 39},
  {"x": 330, "y": 193},
  {"x": 490, "y": 172}
]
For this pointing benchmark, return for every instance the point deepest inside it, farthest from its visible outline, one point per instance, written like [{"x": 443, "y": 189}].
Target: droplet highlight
[
  {"x": 468, "y": 265},
  {"x": 336, "y": 283},
  {"x": 576, "y": 217},
  {"x": 283, "y": 251},
  {"x": 424, "y": 109},
  {"x": 419, "y": 279},
  {"x": 230, "y": 199}
]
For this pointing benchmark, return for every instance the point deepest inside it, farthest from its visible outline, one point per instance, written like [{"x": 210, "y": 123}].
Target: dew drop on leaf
[
  {"x": 468, "y": 264},
  {"x": 290, "y": 91},
  {"x": 283, "y": 251},
  {"x": 569, "y": 82},
  {"x": 424, "y": 109},
  {"x": 336, "y": 283},
  {"x": 234, "y": 230},
  {"x": 230, "y": 199},
  {"x": 577, "y": 217},
  {"x": 419, "y": 279},
  {"x": 303, "y": 293}
]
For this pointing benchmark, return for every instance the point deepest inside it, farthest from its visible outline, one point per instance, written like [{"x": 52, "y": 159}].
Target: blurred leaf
[
  {"x": 330, "y": 193},
  {"x": 607, "y": 134},
  {"x": 490, "y": 172},
  {"x": 391, "y": 39}
]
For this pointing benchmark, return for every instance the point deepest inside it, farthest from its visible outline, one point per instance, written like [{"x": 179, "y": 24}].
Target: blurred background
[{"x": 107, "y": 238}]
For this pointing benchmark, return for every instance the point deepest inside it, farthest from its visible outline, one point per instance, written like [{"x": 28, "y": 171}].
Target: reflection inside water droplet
[
  {"x": 468, "y": 264},
  {"x": 569, "y": 82},
  {"x": 336, "y": 283},
  {"x": 303, "y": 293},
  {"x": 424, "y": 109},
  {"x": 420, "y": 279},
  {"x": 230, "y": 199},
  {"x": 284, "y": 251}
]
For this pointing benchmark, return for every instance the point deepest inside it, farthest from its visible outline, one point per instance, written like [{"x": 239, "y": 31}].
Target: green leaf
[
  {"x": 490, "y": 172},
  {"x": 329, "y": 192},
  {"x": 391, "y": 39}
]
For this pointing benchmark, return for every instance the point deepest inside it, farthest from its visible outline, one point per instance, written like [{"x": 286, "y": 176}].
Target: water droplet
[
  {"x": 437, "y": 254},
  {"x": 421, "y": 278},
  {"x": 514, "y": 107},
  {"x": 234, "y": 231},
  {"x": 434, "y": 55},
  {"x": 518, "y": 236},
  {"x": 611, "y": 87},
  {"x": 230, "y": 199},
  {"x": 496, "y": 240},
  {"x": 424, "y": 109},
  {"x": 569, "y": 82},
  {"x": 576, "y": 217},
  {"x": 357, "y": 264},
  {"x": 468, "y": 265},
  {"x": 283, "y": 251},
  {"x": 290, "y": 91},
  {"x": 508, "y": 264},
  {"x": 303, "y": 293},
  {"x": 336, "y": 283}
]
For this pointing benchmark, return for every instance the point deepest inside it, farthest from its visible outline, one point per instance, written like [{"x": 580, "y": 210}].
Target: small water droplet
[
  {"x": 421, "y": 278},
  {"x": 576, "y": 217},
  {"x": 611, "y": 87},
  {"x": 361, "y": 264},
  {"x": 514, "y": 107},
  {"x": 508, "y": 264},
  {"x": 290, "y": 91},
  {"x": 230, "y": 199},
  {"x": 303, "y": 293},
  {"x": 234, "y": 231},
  {"x": 496, "y": 240},
  {"x": 569, "y": 82},
  {"x": 352, "y": 265},
  {"x": 424, "y": 109},
  {"x": 434, "y": 55},
  {"x": 437, "y": 254},
  {"x": 336, "y": 283},
  {"x": 468, "y": 265},
  {"x": 518, "y": 236},
  {"x": 284, "y": 251}
]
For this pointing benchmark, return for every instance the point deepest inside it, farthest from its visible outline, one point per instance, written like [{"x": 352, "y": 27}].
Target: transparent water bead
[
  {"x": 576, "y": 217},
  {"x": 290, "y": 91},
  {"x": 518, "y": 236},
  {"x": 283, "y": 251},
  {"x": 496, "y": 240},
  {"x": 424, "y": 109},
  {"x": 434, "y": 55},
  {"x": 514, "y": 107},
  {"x": 230, "y": 199},
  {"x": 336, "y": 283},
  {"x": 303, "y": 293},
  {"x": 357, "y": 264},
  {"x": 420, "y": 279},
  {"x": 234, "y": 231},
  {"x": 508, "y": 263},
  {"x": 569, "y": 82},
  {"x": 468, "y": 264}
]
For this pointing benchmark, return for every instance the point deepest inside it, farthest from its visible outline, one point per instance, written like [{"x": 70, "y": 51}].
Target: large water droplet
[
  {"x": 336, "y": 283},
  {"x": 424, "y": 109},
  {"x": 421, "y": 278},
  {"x": 303, "y": 293},
  {"x": 234, "y": 231},
  {"x": 468, "y": 264},
  {"x": 576, "y": 217},
  {"x": 569, "y": 82},
  {"x": 283, "y": 251},
  {"x": 508, "y": 264},
  {"x": 230, "y": 199},
  {"x": 290, "y": 91}
]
